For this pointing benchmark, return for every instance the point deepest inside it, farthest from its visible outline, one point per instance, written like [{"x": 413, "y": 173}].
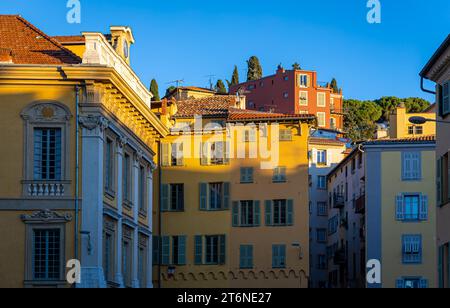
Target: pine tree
[
  {"x": 235, "y": 77},
  {"x": 155, "y": 91},
  {"x": 169, "y": 90},
  {"x": 334, "y": 86},
  {"x": 220, "y": 87},
  {"x": 255, "y": 71}
]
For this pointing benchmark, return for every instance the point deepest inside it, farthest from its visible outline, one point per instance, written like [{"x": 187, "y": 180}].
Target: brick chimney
[{"x": 6, "y": 55}]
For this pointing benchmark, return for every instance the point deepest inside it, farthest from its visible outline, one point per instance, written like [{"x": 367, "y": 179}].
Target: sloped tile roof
[
  {"x": 29, "y": 45},
  {"x": 69, "y": 39},
  {"x": 420, "y": 139},
  {"x": 325, "y": 141}
]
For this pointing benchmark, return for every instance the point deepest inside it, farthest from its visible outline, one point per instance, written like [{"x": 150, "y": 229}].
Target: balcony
[
  {"x": 340, "y": 257},
  {"x": 45, "y": 189},
  {"x": 338, "y": 201},
  {"x": 360, "y": 205}
]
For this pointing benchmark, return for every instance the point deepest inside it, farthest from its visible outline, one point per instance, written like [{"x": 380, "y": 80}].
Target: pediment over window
[
  {"x": 47, "y": 216},
  {"x": 46, "y": 111}
]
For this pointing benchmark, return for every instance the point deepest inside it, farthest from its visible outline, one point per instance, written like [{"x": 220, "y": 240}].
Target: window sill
[
  {"x": 214, "y": 210},
  {"x": 128, "y": 205},
  {"x": 45, "y": 283},
  {"x": 246, "y": 183},
  {"x": 110, "y": 194},
  {"x": 143, "y": 214}
]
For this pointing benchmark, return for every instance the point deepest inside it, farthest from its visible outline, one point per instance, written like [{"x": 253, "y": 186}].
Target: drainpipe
[
  {"x": 77, "y": 167},
  {"x": 159, "y": 214},
  {"x": 422, "y": 87}
]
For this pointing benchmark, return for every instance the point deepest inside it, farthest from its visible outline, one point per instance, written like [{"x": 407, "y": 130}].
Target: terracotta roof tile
[
  {"x": 29, "y": 45},
  {"x": 63, "y": 39},
  {"x": 325, "y": 141},
  {"x": 421, "y": 139}
]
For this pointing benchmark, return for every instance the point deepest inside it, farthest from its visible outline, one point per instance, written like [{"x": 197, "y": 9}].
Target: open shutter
[
  {"x": 400, "y": 214},
  {"x": 156, "y": 251},
  {"x": 439, "y": 182},
  {"x": 268, "y": 209},
  {"x": 406, "y": 166},
  {"x": 165, "y": 243},
  {"x": 257, "y": 214},
  {"x": 226, "y": 196},
  {"x": 235, "y": 214},
  {"x": 290, "y": 212},
  {"x": 314, "y": 156},
  {"x": 205, "y": 153},
  {"x": 165, "y": 154},
  {"x": 423, "y": 283},
  {"x": 165, "y": 193},
  {"x": 203, "y": 196},
  {"x": 198, "y": 250},
  {"x": 424, "y": 208},
  {"x": 180, "y": 154},
  {"x": 227, "y": 155},
  {"x": 400, "y": 284},
  {"x": 182, "y": 250},
  {"x": 222, "y": 249}
]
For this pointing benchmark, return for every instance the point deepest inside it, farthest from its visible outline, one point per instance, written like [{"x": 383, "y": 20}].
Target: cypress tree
[
  {"x": 154, "y": 89},
  {"x": 235, "y": 77},
  {"x": 220, "y": 87},
  {"x": 334, "y": 86},
  {"x": 255, "y": 71}
]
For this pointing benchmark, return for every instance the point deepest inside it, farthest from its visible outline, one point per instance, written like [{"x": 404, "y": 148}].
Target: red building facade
[{"x": 295, "y": 91}]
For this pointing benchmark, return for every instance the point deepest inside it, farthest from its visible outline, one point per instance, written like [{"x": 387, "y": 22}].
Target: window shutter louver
[
  {"x": 399, "y": 208},
  {"x": 423, "y": 283},
  {"x": 165, "y": 243},
  {"x": 205, "y": 153},
  {"x": 203, "y": 196},
  {"x": 235, "y": 214},
  {"x": 198, "y": 250},
  {"x": 165, "y": 155},
  {"x": 165, "y": 193},
  {"x": 275, "y": 260},
  {"x": 180, "y": 154},
  {"x": 227, "y": 153},
  {"x": 400, "y": 284},
  {"x": 182, "y": 250},
  {"x": 424, "y": 208},
  {"x": 268, "y": 207},
  {"x": 257, "y": 213},
  {"x": 226, "y": 195},
  {"x": 290, "y": 212},
  {"x": 222, "y": 249},
  {"x": 440, "y": 100},
  {"x": 446, "y": 99},
  {"x": 448, "y": 177},
  {"x": 439, "y": 182}
]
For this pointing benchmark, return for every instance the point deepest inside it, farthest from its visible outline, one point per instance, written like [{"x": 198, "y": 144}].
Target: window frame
[
  {"x": 324, "y": 123},
  {"x": 319, "y": 98}
]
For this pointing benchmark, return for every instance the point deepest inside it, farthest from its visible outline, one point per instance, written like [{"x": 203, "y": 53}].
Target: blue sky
[{"x": 193, "y": 39}]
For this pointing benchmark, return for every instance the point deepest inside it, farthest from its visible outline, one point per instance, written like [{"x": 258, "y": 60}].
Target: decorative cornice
[
  {"x": 46, "y": 216},
  {"x": 122, "y": 141},
  {"x": 91, "y": 122}
]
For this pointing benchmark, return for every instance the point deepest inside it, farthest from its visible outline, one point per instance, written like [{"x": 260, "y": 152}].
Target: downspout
[
  {"x": 77, "y": 167},
  {"x": 422, "y": 87},
  {"x": 159, "y": 215}
]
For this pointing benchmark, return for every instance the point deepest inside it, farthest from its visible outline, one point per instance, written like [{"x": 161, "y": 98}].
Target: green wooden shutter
[
  {"x": 198, "y": 250},
  {"x": 439, "y": 182},
  {"x": 400, "y": 213},
  {"x": 275, "y": 256},
  {"x": 257, "y": 213},
  {"x": 222, "y": 249},
  {"x": 243, "y": 257},
  {"x": 448, "y": 176},
  {"x": 203, "y": 196},
  {"x": 441, "y": 266},
  {"x": 226, "y": 196},
  {"x": 440, "y": 95},
  {"x": 165, "y": 197},
  {"x": 182, "y": 250},
  {"x": 165, "y": 155},
  {"x": 205, "y": 153},
  {"x": 235, "y": 214},
  {"x": 424, "y": 208},
  {"x": 156, "y": 251},
  {"x": 250, "y": 256},
  {"x": 268, "y": 207},
  {"x": 282, "y": 255},
  {"x": 290, "y": 212},
  {"x": 165, "y": 245}
]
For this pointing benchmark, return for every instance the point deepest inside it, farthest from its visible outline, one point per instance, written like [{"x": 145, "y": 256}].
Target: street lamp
[{"x": 422, "y": 120}]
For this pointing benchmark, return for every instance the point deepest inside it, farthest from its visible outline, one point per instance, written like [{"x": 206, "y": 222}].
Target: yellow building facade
[
  {"x": 76, "y": 176},
  {"x": 234, "y": 197},
  {"x": 401, "y": 127}
]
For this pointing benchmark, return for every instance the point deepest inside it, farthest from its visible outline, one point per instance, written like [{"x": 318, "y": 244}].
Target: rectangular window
[
  {"x": 279, "y": 256},
  {"x": 126, "y": 262},
  {"x": 247, "y": 175},
  {"x": 179, "y": 250},
  {"x": 321, "y": 100},
  {"x": 177, "y": 155},
  {"x": 109, "y": 165},
  {"x": 47, "y": 254},
  {"x": 246, "y": 257},
  {"x": 246, "y": 214},
  {"x": 322, "y": 182},
  {"x": 108, "y": 256},
  {"x": 322, "y": 236},
  {"x": 322, "y": 157},
  {"x": 142, "y": 266},
  {"x": 215, "y": 153},
  {"x": 412, "y": 283},
  {"x": 445, "y": 98},
  {"x": 303, "y": 98},
  {"x": 279, "y": 175},
  {"x": 177, "y": 197},
  {"x": 142, "y": 190},
  {"x": 322, "y": 209},
  {"x": 303, "y": 81},
  {"x": 412, "y": 249},
  {"x": 333, "y": 224},
  {"x": 412, "y": 207},
  {"x": 321, "y": 119},
  {"x": 411, "y": 166},
  {"x": 280, "y": 212},
  {"x": 215, "y": 249},
  {"x": 285, "y": 135},
  {"x": 47, "y": 154},
  {"x": 216, "y": 196},
  {"x": 127, "y": 178}
]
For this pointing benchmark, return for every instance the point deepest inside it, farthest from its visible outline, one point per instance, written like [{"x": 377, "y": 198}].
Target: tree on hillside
[
  {"x": 360, "y": 118},
  {"x": 155, "y": 91},
  {"x": 389, "y": 103},
  {"x": 334, "y": 85},
  {"x": 296, "y": 66},
  {"x": 220, "y": 87},
  {"x": 255, "y": 71}
]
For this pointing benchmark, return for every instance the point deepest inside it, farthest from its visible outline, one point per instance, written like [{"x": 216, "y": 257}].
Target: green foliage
[
  {"x": 155, "y": 91},
  {"x": 389, "y": 103},
  {"x": 334, "y": 85},
  {"x": 220, "y": 87},
  {"x": 360, "y": 118},
  {"x": 169, "y": 90},
  {"x": 255, "y": 71},
  {"x": 296, "y": 66},
  {"x": 235, "y": 77}
]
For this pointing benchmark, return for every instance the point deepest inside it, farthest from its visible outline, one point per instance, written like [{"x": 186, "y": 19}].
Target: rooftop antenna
[
  {"x": 177, "y": 82},
  {"x": 210, "y": 77}
]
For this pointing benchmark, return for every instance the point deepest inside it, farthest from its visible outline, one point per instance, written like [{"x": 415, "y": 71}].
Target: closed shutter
[
  {"x": 290, "y": 212},
  {"x": 446, "y": 99},
  {"x": 165, "y": 194},
  {"x": 416, "y": 166},
  {"x": 400, "y": 214},
  {"x": 227, "y": 153},
  {"x": 424, "y": 208},
  {"x": 198, "y": 250},
  {"x": 203, "y": 196},
  {"x": 243, "y": 257},
  {"x": 235, "y": 214},
  {"x": 268, "y": 208},
  {"x": 156, "y": 251},
  {"x": 441, "y": 257},
  {"x": 165, "y": 246},
  {"x": 275, "y": 256},
  {"x": 282, "y": 255},
  {"x": 226, "y": 196},
  {"x": 423, "y": 283},
  {"x": 407, "y": 166},
  {"x": 222, "y": 249},
  {"x": 448, "y": 176},
  {"x": 400, "y": 284},
  {"x": 440, "y": 100},
  {"x": 165, "y": 155},
  {"x": 180, "y": 154},
  {"x": 439, "y": 182},
  {"x": 182, "y": 250},
  {"x": 257, "y": 213}
]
